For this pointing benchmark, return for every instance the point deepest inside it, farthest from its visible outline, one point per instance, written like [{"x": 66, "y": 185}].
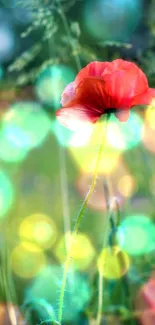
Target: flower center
[{"x": 110, "y": 110}]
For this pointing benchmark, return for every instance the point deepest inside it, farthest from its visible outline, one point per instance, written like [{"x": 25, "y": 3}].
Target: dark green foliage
[{"x": 49, "y": 322}]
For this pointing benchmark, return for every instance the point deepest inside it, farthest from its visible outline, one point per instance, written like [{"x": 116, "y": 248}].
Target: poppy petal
[
  {"x": 145, "y": 98},
  {"x": 75, "y": 118},
  {"x": 123, "y": 116},
  {"x": 98, "y": 69},
  {"x": 90, "y": 93},
  {"x": 117, "y": 65},
  {"x": 93, "y": 69},
  {"x": 123, "y": 85},
  {"x": 120, "y": 64},
  {"x": 68, "y": 93}
]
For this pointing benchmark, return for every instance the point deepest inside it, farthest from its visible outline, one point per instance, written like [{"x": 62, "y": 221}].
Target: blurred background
[{"x": 46, "y": 170}]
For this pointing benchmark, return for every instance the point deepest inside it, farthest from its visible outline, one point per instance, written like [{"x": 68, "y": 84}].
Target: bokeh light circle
[
  {"x": 126, "y": 185},
  {"x": 113, "y": 263},
  {"x": 150, "y": 114},
  {"x": 27, "y": 260},
  {"x": 6, "y": 193},
  {"x": 113, "y": 20},
  {"x": 22, "y": 14},
  {"x": 51, "y": 83},
  {"x": 10, "y": 3},
  {"x": 107, "y": 164},
  {"x": 98, "y": 200},
  {"x": 69, "y": 138},
  {"x": 82, "y": 251},
  {"x": 62, "y": 133},
  {"x": 149, "y": 138},
  {"x": 7, "y": 42},
  {"x": 85, "y": 156},
  {"x": 124, "y": 136},
  {"x": 26, "y": 124},
  {"x": 9, "y": 152},
  {"x": 78, "y": 295},
  {"x": 81, "y": 137},
  {"x": 136, "y": 235},
  {"x": 47, "y": 284},
  {"x": 40, "y": 229}
]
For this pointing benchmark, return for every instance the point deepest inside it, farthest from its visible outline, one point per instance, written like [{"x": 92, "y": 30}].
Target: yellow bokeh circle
[
  {"x": 113, "y": 263},
  {"x": 126, "y": 185},
  {"x": 40, "y": 229},
  {"x": 86, "y": 156},
  {"x": 27, "y": 260},
  {"x": 150, "y": 114},
  {"x": 81, "y": 250}
]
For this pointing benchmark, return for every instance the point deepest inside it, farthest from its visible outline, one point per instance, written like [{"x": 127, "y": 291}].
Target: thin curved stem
[
  {"x": 101, "y": 281},
  {"x": 64, "y": 192},
  {"x": 78, "y": 221},
  {"x": 100, "y": 300},
  {"x": 105, "y": 237}
]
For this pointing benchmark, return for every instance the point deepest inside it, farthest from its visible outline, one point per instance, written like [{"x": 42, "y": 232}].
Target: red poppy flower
[{"x": 102, "y": 88}]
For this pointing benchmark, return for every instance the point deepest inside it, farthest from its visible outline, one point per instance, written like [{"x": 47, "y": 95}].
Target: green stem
[
  {"x": 101, "y": 281},
  {"x": 105, "y": 239},
  {"x": 100, "y": 300},
  {"x": 64, "y": 192},
  {"x": 118, "y": 214},
  {"x": 78, "y": 221}
]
